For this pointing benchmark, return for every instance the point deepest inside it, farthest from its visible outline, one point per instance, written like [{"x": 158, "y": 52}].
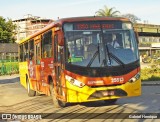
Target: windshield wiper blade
[
  {"x": 116, "y": 59},
  {"x": 92, "y": 59},
  {"x": 98, "y": 53}
]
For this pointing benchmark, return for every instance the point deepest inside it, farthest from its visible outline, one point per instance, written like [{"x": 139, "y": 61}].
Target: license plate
[
  {"x": 105, "y": 93},
  {"x": 108, "y": 93},
  {"x": 111, "y": 92}
]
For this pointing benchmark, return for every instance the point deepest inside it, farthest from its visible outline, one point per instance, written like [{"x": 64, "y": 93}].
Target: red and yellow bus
[{"x": 77, "y": 60}]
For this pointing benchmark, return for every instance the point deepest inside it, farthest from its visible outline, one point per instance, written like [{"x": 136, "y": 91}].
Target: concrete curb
[{"x": 150, "y": 83}]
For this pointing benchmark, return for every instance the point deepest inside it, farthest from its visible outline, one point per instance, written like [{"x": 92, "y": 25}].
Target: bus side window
[
  {"x": 31, "y": 49},
  {"x": 21, "y": 53},
  {"x": 47, "y": 45},
  {"x": 31, "y": 54},
  {"x": 26, "y": 53},
  {"x": 38, "y": 54}
]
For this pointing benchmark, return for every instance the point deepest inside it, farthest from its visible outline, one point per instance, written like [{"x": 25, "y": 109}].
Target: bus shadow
[
  {"x": 92, "y": 104},
  {"x": 9, "y": 80}
]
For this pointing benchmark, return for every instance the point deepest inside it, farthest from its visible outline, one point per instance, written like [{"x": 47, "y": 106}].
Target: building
[
  {"x": 149, "y": 38},
  {"x": 8, "y": 51},
  {"x": 25, "y": 27},
  {"x": 29, "y": 25}
]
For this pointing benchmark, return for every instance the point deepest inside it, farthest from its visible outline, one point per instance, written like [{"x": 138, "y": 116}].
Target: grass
[
  {"x": 8, "y": 68},
  {"x": 148, "y": 74}
]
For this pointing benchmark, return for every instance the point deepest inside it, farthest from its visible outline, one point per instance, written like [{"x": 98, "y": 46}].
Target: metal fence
[{"x": 8, "y": 67}]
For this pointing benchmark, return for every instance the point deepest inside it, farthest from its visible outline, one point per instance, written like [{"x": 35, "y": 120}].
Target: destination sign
[{"x": 96, "y": 26}]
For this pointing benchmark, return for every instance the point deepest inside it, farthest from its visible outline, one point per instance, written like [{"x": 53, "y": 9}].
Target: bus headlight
[
  {"x": 74, "y": 81},
  {"x": 135, "y": 78}
]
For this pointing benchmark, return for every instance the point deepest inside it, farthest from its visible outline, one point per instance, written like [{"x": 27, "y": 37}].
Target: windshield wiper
[
  {"x": 98, "y": 53},
  {"x": 116, "y": 59},
  {"x": 92, "y": 59},
  {"x": 94, "y": 56}
]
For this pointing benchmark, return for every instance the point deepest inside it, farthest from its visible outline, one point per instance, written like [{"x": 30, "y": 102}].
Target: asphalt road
[{"x": 14, "y": 99}]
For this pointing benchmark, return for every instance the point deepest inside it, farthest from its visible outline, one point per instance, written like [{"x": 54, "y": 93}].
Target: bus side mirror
[
  {"x": 60, "y": 40},
  {"x": 58, "y": 30}
]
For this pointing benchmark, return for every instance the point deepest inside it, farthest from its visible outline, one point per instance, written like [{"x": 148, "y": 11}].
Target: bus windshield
[{"x": 99, "y": 45}]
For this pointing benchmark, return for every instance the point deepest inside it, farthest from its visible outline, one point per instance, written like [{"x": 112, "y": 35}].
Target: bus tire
[
  {"x": 30, "y": 92},
  {"x": 57, "y": 103},
  {"x": 37, "y": 94},
  {"x": 111, "y": 101},
  {"x": 61, "y": 103}
]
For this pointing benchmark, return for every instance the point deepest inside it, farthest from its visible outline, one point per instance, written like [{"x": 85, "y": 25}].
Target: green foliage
[
  {"x": 133, "y": 18},
  {"x": 145, "y": 44},
  {"x": 8, "y": 68},
  {"x": 152, "y": 73},
  {"x": 107, "y": 12},
  {"x": 6, "y": 30},
  {"x": 147, "y": 59},
  {"x": 114, "y": 13}
]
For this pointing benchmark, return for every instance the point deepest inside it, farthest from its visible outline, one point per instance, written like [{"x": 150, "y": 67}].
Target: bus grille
[{"x": 107, "y": 93}]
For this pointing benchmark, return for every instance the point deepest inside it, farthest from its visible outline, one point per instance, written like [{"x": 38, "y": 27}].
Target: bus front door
[{"x": 58, "y": 54}]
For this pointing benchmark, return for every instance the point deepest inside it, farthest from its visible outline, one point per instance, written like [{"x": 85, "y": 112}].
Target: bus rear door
[{"x": 37, "y": 63}]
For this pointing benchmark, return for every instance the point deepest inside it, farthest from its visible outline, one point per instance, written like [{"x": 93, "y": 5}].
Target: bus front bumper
[{"x": 86, "y": 93}]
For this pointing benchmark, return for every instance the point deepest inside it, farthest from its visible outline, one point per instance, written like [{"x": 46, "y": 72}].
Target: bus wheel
[
  {"x": 111, "y": 101},
  {"x": 57, "y": 103},
  {"x": 30, "y": 92},
  {"x": 61, "y": 103},
  {"x": 37, "y": 94}
]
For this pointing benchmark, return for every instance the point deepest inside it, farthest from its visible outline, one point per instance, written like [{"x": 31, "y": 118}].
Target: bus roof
[
  {"x": 91, "y": 18},
  {"x": 73, "y": 19}
]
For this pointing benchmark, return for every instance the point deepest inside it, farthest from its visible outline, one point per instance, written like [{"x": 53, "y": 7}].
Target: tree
[
  {"x": 6, "y": 30},
  {"x": 131, "y": 17},
  {"x": 107, "y": 12}
]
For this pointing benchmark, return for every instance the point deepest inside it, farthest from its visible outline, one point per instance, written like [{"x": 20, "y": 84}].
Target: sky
[{"x": 147, "y": 10}]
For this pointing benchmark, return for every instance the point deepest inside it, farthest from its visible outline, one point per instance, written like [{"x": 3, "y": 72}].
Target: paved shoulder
[{"x": 9, "y": 79}]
